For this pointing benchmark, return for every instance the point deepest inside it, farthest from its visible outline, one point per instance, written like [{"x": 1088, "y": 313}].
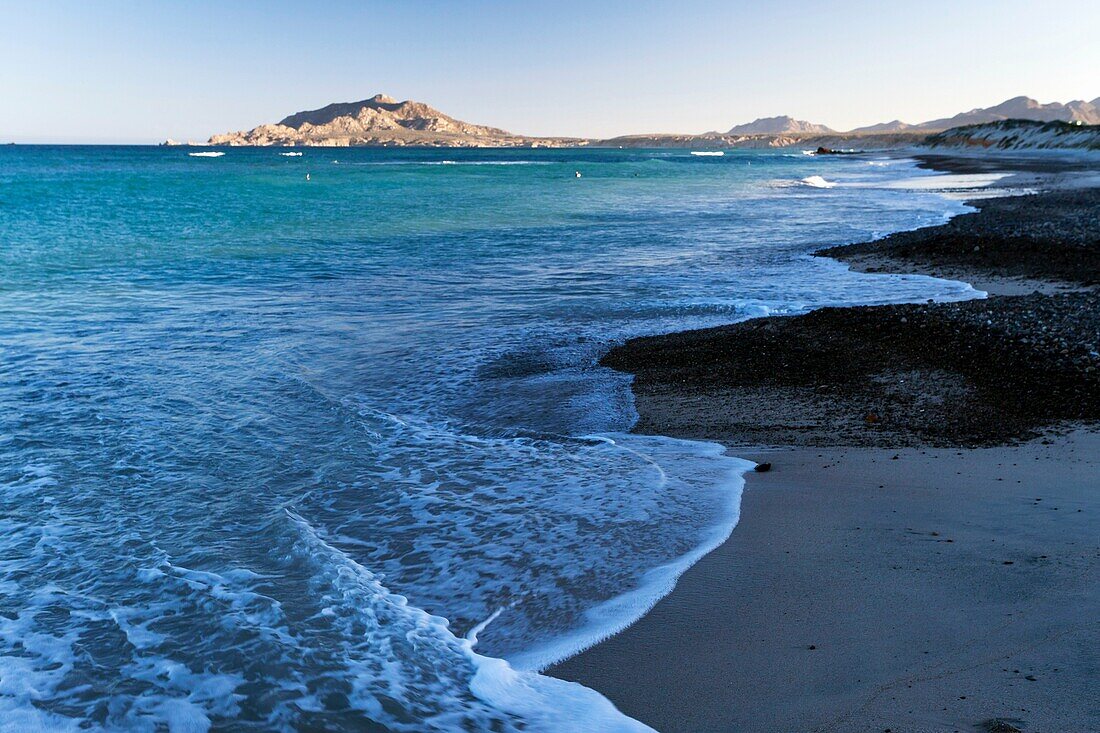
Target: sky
[{"x": 138, "y": 72}]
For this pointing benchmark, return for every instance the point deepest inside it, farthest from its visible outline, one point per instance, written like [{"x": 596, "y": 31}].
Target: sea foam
[
  {"x": 816, "y": 182},
  {"x": 486, "y": 692},
  {"x": 615, "y": 614}
]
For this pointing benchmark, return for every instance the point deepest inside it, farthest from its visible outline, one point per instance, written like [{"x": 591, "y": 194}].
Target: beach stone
[{"x": 930, "y": 373}]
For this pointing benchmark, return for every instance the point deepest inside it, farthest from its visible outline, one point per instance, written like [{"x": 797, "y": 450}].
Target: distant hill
[
  {"x": 885, "y": 127},
  {"x": 380, "y": 120},
  {"x": 1017, "y": 108},
  {"x": 1022, "y": 108},
  {"x": 384, "y": 121},
  {"x": 783, "y": 125},
  {"x": 839, "y": 141}
]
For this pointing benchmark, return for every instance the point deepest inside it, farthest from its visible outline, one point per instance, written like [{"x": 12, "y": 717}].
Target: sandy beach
[
  {"x": 924, "y": 555},
  {"x": 932, "y": 592}
]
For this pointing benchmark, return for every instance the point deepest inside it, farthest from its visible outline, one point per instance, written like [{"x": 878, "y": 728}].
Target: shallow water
[{"x": 272, "y": 449}]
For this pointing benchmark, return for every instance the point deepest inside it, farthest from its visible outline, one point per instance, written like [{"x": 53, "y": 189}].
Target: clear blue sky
[{"x": 110, "y": 71}]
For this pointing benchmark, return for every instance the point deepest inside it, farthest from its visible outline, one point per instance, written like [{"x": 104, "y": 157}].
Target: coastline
[{"x": 724, "y": 650}]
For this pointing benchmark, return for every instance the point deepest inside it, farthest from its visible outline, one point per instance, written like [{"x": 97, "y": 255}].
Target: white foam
[
  {"x": 291, "y": 155},
  {"x": 809, "y": 181},
  {"x": 399, "y": 163},
  {"x": 945, "y": 182},
  {"x": 16, "y": 717},
  {"x": 547, "y": 703},
  {"x": 816, "y": 182},
  {"x": 714, "y": 153},
  {"x": 618, "y": 613},
  {"x": 448, "y": 664},
  {"x": 483, "y": 162},
  {"x": 207, "y": 154}
]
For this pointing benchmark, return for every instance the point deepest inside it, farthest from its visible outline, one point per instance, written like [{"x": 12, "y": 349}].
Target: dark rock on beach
[
  {"x": 1053, "y": 236},
  {"x": 972, "y": 373},
  {"x": 829, "y": 151},
  {"x": 969, "y": 373}
]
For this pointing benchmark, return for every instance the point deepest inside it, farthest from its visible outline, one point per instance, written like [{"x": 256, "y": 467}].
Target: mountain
[
  {"x": 778, "y": 126},
  {"x": 884, "y": 127},
  {"x": 1017, "y": 108},
  {"x": 380, "y": 120},
  {"x": 1022, "y": 108},
  {"x": 1087, "y": 113},
  {"x": 384, "y": 121}
]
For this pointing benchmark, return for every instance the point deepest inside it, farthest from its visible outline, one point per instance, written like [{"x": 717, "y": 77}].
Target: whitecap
[{"x": 816, "y": 182}]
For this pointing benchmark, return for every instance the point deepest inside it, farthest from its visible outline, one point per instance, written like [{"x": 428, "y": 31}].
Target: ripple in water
[{"x": 290, "y": 457}]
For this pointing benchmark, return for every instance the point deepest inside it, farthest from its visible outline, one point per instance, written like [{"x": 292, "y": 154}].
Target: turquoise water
[{"x": 275, "y": 450}]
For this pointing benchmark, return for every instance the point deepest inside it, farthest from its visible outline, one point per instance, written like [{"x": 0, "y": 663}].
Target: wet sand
[{"x": 934, "y": 592}]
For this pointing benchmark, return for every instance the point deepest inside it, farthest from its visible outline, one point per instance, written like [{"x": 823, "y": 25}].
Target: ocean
[{"x": 336, "y": 454}]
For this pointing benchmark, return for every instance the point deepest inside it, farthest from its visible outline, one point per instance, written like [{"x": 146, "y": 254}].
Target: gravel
[{"x": 974, "y": 373}]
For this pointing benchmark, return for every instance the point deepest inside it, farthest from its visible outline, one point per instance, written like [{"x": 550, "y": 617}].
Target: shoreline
[
  {"x": 906, "y": 374},
  {"x": 863, "y": 592},
  {"x": 678, "y": 667}
]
